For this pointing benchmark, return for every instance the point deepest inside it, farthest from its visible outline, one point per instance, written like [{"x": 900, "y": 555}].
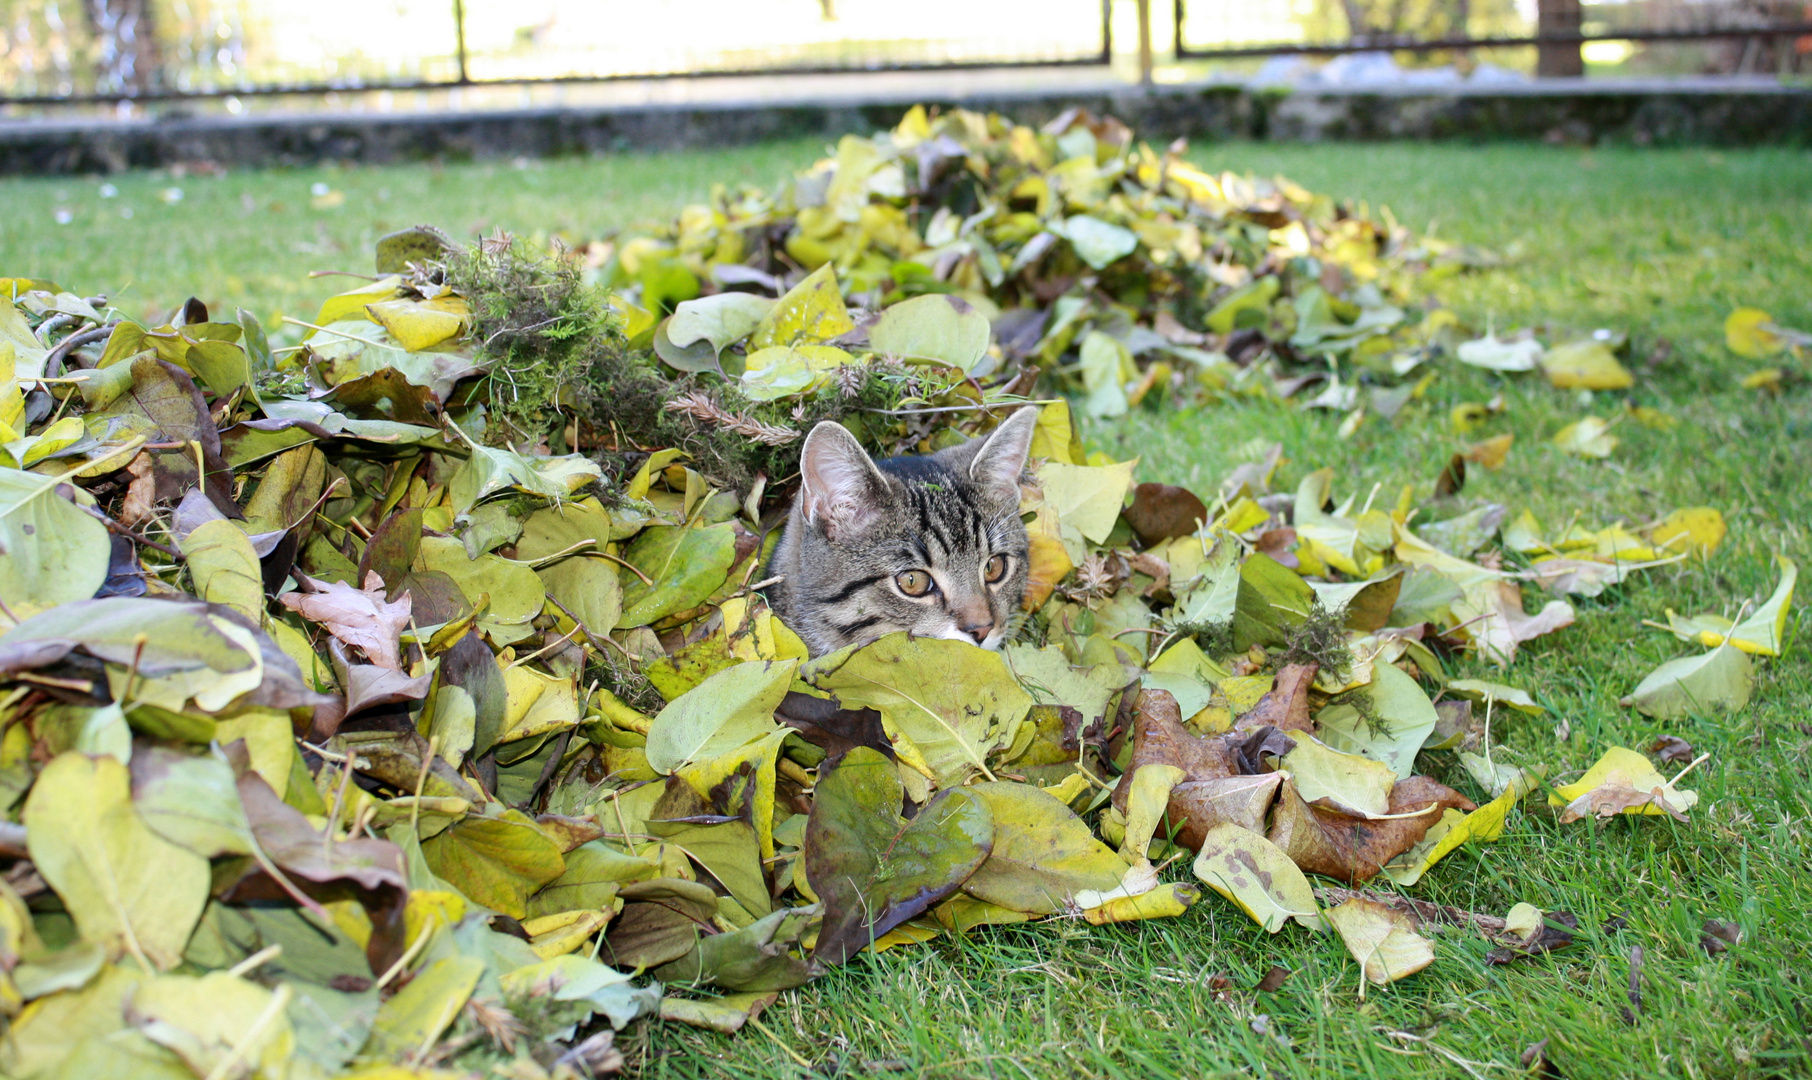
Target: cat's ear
[
  {"x": 840, "y": 489},
  {"x": 1001, "y": 459}
]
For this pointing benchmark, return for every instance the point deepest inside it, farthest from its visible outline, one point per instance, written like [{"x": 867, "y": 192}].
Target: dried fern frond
[{"x": 701, "y": 406}]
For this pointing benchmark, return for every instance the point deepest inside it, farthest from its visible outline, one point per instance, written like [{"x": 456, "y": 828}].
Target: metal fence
[
  {"x": 1747, "y": 35},
  {"x": 85, "y": 51}
]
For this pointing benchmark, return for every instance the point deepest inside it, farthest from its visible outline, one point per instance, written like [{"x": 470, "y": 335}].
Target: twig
[
  {"x": 961, "y": 408},
  {"x": 646, "y": 580},
  {"x": 115, "y": 527},
  {"x": 54, "y": 358},
  {"x": 336, "y": 333}
]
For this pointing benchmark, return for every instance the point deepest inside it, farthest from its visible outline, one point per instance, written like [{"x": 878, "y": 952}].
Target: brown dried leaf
[
  {"x": 1286, "y": 707},
  {"x": 1159, "y": 738},
  {"x": 1273, "y": 980},
  {"x": 1162, "y": 512},
  {"x": 1352, "y": 848},
  {"x": 361, "y": 618},
  {"x": 1672, "y": 750}
]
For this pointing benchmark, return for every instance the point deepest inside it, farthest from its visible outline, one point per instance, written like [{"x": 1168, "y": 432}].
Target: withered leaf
[
  {"x": 363, "y": 618},
  {"x": 1162, "y": 512}
]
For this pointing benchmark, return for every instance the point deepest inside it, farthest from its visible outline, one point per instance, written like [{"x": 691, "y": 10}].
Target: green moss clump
[
  {"x": 1320, "y": 640},
  {"x": 555, "y": 348},
  {"x": 543, "y": 331}
]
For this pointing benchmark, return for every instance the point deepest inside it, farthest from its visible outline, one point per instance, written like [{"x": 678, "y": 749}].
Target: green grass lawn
[{"x": 1659, "y": 244}]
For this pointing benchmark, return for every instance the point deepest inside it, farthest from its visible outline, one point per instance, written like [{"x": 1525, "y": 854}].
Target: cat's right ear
[{"x": 840, "y": 489}]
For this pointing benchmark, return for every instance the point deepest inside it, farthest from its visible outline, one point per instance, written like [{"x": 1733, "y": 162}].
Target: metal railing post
[
  {"x": 1144, "y": 42},
  {"x": 459, "y": 39}
]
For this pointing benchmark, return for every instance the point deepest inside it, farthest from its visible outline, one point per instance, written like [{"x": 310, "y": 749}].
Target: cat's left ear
[{"x": 997, "y": 465}]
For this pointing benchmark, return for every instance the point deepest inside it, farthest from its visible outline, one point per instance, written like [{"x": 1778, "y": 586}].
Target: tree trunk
[
  {"x": 125, "y": 38},
  {"x": 1558, "y": 59}
]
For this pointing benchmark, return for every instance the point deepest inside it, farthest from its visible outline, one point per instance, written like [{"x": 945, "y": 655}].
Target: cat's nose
[{"x": 979, "y": 631}]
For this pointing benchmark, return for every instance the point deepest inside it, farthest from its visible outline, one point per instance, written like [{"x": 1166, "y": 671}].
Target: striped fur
[{"x": 858, "y": 525}]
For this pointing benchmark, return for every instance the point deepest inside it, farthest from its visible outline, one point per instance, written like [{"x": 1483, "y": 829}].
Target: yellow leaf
[
  {"x": 1047, "y": 562},
  {"x": 1145, "y": 805},
  {"x": 1695, "y": 529},
  {"x": 1763, "y": 632},
  {"x": 1768, "y": 378},
  {"x": 430, "y": 909},
  {"x": 1750, "y": 332},
  {"x": 1256, "y": 875},
  {"x": 1054, "y": 439},
  {"x": 1382, "y": 939},
  {"x": 1492, "y": 452},
  {"x": 811, "y": 312},
  {"x": 1624, "y": 768},
  {"x": 1243, "y": 516},
  {"x": 557, "y": 935},
  {"x": 1086, "y": 498},
  {"x": 1586, "y": 364},
  {"x": 1468, "y": 416},
  {"x": 351, "y": 305},
  {"x": 420, "y": 324},
  {"x": 1163, "y": 902},
  {"x": 1587, "y": 438}
]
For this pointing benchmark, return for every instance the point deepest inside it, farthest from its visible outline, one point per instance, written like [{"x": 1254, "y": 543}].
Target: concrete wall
[{"x": 1663, "y": 113}]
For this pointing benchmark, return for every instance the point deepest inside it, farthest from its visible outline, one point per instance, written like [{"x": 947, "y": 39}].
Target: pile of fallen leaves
[{"x": 346, "y": 723}]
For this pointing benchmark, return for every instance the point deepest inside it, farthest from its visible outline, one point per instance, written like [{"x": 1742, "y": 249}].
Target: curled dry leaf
[{"x": 362, "y": 618}]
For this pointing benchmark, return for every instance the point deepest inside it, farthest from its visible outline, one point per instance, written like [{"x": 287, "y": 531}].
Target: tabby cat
[{"x": 929, "y": 544}]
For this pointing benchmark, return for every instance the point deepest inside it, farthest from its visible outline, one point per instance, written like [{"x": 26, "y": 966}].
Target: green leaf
[
  {"x": 758, "y": 957},
  {"x": 496, "y": 861},
  {"x": 1350, "y": 781},
  {"x": 516, "y": 593},
  {"x": 51, "y": 551},
  {"x": 488, "y": 471},
  {"x": 957, "y": 704},
  {"x": 1400, "y": 720},
  {"x": 594, "y": 872},
  {"x": 722, "y": 320},
  {"x": 697, "y": 357},
  {"x": 872, "y": 869},
  {"x": 685, "y": 565},
  {"x": 1103, "y": 362},
  {"x": 1720, "y": 679},
  {"x": 732, "y": 707},
  {"x": 424, "y": 1009},
  {"x": 1096, "y": 242},
  {"x": 192, "y": 801},
  {"x": 575, "y": 978},
  {"x": 223, "y": 567},
  {"x": 932, "y": 327},
  {"x": 127, "y": 888}
]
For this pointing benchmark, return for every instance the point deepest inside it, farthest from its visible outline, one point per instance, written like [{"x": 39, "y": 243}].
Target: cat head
[{"x": 931, "y": 545}]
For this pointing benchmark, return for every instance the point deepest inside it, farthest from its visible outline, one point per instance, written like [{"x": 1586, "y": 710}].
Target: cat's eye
[
  {"x": 996, "y": 569},
  {"x": 913, "y": 582}
]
